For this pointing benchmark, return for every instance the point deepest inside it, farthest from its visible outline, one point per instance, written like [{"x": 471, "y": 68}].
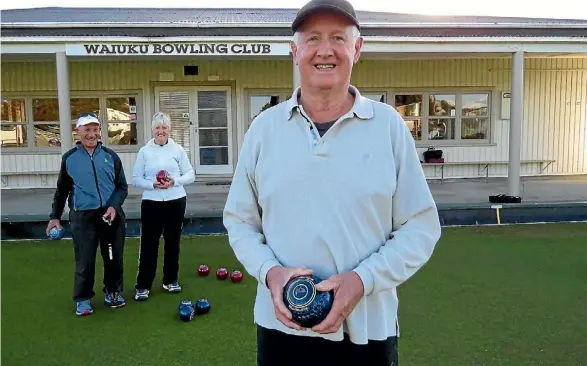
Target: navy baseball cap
[{"x": 342, "y": 7}]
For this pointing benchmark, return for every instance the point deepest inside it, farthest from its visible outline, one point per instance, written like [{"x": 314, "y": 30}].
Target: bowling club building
[{"x": 498, "y": 96}]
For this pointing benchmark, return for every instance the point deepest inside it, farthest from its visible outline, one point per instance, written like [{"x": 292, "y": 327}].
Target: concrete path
[
  {"x": 540, "y": 189},
  {"x": 29, "y": 204}
]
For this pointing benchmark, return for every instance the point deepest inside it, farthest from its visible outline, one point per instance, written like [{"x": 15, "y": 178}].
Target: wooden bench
[
  {"x": 484, "y": 165},
  {"x": 31, "y": 172},
  {"x": 4, "y": 174}
]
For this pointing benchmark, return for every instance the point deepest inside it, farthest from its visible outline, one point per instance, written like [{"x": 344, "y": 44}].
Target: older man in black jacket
[{"x": 92, "y": 176}]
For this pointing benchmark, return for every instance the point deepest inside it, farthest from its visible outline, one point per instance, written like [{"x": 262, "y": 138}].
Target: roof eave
[
  {"x": 281, "y": 39},
  {"x": 556, "y": 25}
]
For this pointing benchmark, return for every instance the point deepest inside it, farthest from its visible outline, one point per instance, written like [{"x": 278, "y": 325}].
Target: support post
[
  {"x": 516, "y": 108},
  {"x": 64, "y": 102},
  {"x": 296, "y": 76}
]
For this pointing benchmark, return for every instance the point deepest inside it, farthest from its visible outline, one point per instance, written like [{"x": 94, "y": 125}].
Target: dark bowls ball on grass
[
  {"x": 187, "y": 310},
  {"x": 202, "y": 306},
  {"x": 307, "y": 305}
]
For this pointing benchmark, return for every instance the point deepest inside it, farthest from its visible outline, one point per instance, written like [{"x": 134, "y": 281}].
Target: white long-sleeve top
[
  {"x": 357, "y": 200},
  {"x": 171, "y": 157}
]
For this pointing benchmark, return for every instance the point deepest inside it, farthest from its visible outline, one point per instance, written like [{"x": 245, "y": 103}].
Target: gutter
[
  {"x": 553, "y": 25},
  {"x": 281, "y": 39},
  {"x": 369, "y": 40}
]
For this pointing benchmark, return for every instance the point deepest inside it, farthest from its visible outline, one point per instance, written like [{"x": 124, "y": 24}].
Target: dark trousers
[
  {"x": 160, "y": 218},
  {"x": 275, "y": 348},
  {"x": 89, "y": 231}
]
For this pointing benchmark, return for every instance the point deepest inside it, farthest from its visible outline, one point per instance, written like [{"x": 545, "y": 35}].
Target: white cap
[{"x": 86, "y": 120}]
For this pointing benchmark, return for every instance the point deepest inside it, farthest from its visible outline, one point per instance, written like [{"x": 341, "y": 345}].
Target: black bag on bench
[
  {"x": 504, "y": 198},
  {"x": 432, "y": 155}
]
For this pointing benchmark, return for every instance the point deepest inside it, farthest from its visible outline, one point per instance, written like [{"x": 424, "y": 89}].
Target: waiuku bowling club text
[{"x": 178, "y": 49}]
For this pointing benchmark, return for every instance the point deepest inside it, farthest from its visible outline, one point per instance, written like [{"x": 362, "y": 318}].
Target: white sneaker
[
  {"x": 172, "y": 287},
  {"x": 142, "y": 295}
]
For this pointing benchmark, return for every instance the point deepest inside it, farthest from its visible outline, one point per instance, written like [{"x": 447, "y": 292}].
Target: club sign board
[{"x": 179, "y": 49}]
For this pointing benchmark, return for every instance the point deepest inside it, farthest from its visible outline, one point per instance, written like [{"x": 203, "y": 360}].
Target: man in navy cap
[{"x": 330, "y": 183}]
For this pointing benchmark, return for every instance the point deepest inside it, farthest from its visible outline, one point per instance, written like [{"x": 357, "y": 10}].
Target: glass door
[
  {"x": 175, "y": 102},
  {"x": 202, "y": 123},
  {"x": 213, "y": 130}
]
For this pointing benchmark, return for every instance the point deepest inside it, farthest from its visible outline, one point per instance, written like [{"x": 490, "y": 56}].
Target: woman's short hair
[{"x": 160, "y": 118}]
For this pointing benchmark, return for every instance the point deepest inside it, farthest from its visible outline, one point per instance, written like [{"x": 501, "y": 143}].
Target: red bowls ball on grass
[
  {"x": 222, "y": 273},
  {"x": 236, "y": 276},
  {"x": 203, "y": 270}
]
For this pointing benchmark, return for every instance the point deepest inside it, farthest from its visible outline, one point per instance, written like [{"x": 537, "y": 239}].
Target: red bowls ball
[
  {"x": 162, "y": 176},
  {"x": 203, "y": 270},
  {"x": 236, "y": 276},
  {"x": 222, "y": 273}
]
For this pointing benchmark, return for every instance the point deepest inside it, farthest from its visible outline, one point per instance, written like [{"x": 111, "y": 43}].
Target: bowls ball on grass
[
  {"x": 222, "y": 274},
  {"x": 307, "y": 305},
  {"x": 202, "y": 306},
  {"x": 236, "y": 276},
  {"x": 187, "y": 310},
  {"x": 203, "y": 270}
]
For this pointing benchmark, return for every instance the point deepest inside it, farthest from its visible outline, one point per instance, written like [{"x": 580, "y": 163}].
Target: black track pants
[
  {"x": 160, "y": 218},
  {"x": 89, "y": 232}
]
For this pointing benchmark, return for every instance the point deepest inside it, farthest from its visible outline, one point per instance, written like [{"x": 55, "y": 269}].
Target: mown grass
[{"x": 509, "y": 295}]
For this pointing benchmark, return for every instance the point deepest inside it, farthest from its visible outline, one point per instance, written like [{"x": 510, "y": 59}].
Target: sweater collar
[
  {"x": 170, "y": 142},
  {"x": 362, "y": 108}
]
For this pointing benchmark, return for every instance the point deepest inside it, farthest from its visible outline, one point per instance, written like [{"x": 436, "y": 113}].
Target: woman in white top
[{"x": 163, "y": 205}]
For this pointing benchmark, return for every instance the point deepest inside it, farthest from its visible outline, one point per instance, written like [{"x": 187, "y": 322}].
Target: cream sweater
[
  {"x": 171, "y": 157},
  {"x": 355, "y": 199}
]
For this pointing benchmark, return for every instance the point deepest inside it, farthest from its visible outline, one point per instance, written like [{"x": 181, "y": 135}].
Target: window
[
  {"x": 376, "y": 96},
  {"x": 46, "y": 122},
  {"x": 475, "y": 117},
  {"x": 14, "y": 130},
  {"x": 262, "y": 100},
  {"x": 213, "y": 126},
  {"x": 446, "y": 115},
  {"x": 441, "y": 116},
  {"x": 40, "y": 130},
  {"x": 122, "y": 120},
  {"x": 259, "y": 103},
  {"x": 409, "y": 106}
]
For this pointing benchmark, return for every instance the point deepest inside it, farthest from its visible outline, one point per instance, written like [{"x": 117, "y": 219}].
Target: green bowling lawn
[{"x": 511, "y": 295}]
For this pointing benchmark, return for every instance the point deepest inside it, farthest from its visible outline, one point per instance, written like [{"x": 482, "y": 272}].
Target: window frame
[
  {"x": 140, "y": 122},
  {"x": 101, "y": 95},
  {"x": 420, "y": 118},
  {"x": 281, "y": 92},
  {"x": 22, "y": 123},
  {"x": 458, "y": 92},
  {"x": 390, "y": 94},
  {"x": 287, "y": 93},
  {"x": 386, "y": 92}
]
